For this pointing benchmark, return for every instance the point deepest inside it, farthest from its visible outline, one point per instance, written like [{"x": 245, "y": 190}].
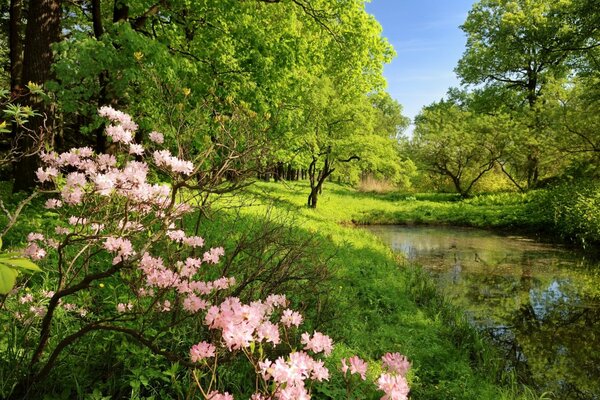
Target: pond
[{"x": 539, "y": 302}]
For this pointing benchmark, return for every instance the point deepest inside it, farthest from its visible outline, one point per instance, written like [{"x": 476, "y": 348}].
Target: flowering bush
[{"x": 119, "y": 228}]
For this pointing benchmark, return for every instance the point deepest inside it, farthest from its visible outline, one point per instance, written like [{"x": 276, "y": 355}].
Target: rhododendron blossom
[
  {"x": 122, "y": 247},
  {"x": 290, "y": 318},
  {"x": 395, "y": 362},
  {"x": 318, "y": 343},
  {"x": 395, "y": 387},
  {"x": 357, "y": 366},
  {"x": 201, "y": 351},
  {"x": 156, "y": 137},
  {"x": 214, "y": 395},
  {"x": 34, "y": 251}
]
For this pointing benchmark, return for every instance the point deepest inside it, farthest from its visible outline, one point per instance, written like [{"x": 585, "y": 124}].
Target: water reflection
[{"x": 540, "y": 303}]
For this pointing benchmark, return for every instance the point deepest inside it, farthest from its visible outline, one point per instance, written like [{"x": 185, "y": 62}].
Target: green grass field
[{"x": 382, "y": 304}]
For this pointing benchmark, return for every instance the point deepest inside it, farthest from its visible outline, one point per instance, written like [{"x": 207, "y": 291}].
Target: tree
[
  {"x": 459, "y": 144},
  {"x": 43, "y": 30},
  {"x": 525, "y": 45}
]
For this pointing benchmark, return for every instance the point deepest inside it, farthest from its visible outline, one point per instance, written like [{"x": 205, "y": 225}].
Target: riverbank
[
  {"x": 384, "y": 303},
  {"x": 367, "y": 299}
]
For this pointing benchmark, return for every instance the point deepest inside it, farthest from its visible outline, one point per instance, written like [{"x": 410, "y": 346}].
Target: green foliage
[
  {"x": 575, "y": 211},
  {"x": 452, "y": 141},
  {"x": 11, "y": 264}
]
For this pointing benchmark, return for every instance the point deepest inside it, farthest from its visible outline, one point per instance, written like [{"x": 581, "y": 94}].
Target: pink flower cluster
[
  {"x": 214, "y": 395},
  {"x": 164, "y": 158},
  {"x": 242, "y": 324},
  {"x": 87, "y": 173},
  {"x": 201, "y": 351},
  {"x": 317, "y": 343},
  {"x": 122, "y": 247},
  {"x": 357, "y": 366},
  {"x": 182, "y": 279},
  {"x": 124, "y": 120},
  {"x": 290, "y": 374},
  {"x": 393, "y": 380}
]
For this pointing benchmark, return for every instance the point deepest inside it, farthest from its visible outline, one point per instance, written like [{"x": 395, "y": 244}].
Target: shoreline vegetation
[
  {"x": 397, "y": 303},
  {"x": 367, "y": 298}
]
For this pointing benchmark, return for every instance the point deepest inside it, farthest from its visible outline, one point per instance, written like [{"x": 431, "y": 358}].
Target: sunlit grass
[{"x": 383, "y": 304}]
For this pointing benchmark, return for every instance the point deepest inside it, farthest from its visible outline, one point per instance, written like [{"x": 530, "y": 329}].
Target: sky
[{"x": 428, "y": 43}]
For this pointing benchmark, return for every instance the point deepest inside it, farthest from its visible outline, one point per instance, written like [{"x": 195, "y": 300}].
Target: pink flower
[
  {"x": 49, "y": 158},
  {"x": 193, "y": 241},
  {"x": 213, "y": 255},
  {"x": 319, "y": 372},
  {"x": 156, "y": 137},
  {"x": 32, "y": 237},
  {"x": 193, "y": 304},
  {"x": 214, "y": 395},
  {"x": 201, "y": 351},
  {"x": 122, "y": 247},
  {"x": 137, "y": 149},
  {"x": 77, "y": 221},
  {"x": 396, "y": 363},
  {"x": 28, "y": 298},
  {"x": 122, "y": 307},
  {"x": 106, "y": 161},
  {"x": 118, "y": 116},
  {"x": 105, "y": 183},
  {"x": 395, "y": 387},
  {"x": 357, "y": 366},
  {"x": 53, "y": 203},
  {"x": 164, "y": 158},
  {"x": 290, "y": 318},
  {"x": 268, "y": 332},
  {"x": 34, "y": 251},
  {"x": 72, "y": 195},
  {"x": 176, "y": 235},
  {"x": 38, "y": 311},
  {"x": 62, "y": 230},
  {"x": 47, "y": 174},
  {"x": 344, "y": 366},
  {"x": 119, "y": 134},
  {"x": 318, "y": 343}
]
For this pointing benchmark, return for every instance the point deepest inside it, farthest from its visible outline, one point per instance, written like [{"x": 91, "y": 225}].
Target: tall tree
[
  {"x": 459, "y": 144},
  {"x": 43, "y": 30},
  {"x": 524, "y": 45}
]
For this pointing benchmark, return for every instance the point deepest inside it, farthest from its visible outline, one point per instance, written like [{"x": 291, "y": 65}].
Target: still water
[{"x": 539, "y": 302}]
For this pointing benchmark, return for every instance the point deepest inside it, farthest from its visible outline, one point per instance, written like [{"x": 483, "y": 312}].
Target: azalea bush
[{"x": 121, "y": 263}]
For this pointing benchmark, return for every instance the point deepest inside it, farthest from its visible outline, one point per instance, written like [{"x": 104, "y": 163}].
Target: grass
[
  {"x": 384, "y": 305},
  {"x": 374, "y": 302}
]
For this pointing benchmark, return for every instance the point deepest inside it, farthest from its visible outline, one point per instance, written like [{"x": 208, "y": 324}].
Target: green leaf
[
  {"x": 8, "y": 277},
  {"x": 22, "y": 263}
]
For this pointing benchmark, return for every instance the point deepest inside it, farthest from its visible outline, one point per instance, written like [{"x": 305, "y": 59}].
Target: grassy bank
[
  {"x": 381, "y": 304},
  {"x": 343, "y": 279}
]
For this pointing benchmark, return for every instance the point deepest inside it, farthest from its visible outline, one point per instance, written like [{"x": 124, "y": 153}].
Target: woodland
[{"x": 176, "y": 180}]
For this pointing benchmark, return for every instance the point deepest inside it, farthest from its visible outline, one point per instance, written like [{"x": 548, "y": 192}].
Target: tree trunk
[
  {"x": 43, "y": 29},
  {"x": 316, "y": 182},
  {"x": 15, "y": 46}
]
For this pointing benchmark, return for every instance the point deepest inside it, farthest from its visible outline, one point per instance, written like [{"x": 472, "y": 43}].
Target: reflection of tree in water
[
  {"x": 540, "y": 304},
  {"x": 560, "y": 337}
]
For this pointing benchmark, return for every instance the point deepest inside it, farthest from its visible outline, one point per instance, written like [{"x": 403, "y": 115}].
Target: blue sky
[{"x": 428, "y": 43}]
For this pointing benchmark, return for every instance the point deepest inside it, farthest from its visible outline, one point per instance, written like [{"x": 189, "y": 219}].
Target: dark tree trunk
[
  {"x": 120, "y": 11},
  {"x": 103, "y": 77},
  {"x": 316, "y": 181},
  {"x": 15, "y": 46},
  {"x": 43, "y": 29}
]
